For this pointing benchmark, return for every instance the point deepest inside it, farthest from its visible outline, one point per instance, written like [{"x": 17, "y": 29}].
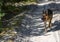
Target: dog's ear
[{"x": 44, "y": 11}]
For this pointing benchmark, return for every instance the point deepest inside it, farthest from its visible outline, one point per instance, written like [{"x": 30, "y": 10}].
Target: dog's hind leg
[{"x": 50, "y": 24}]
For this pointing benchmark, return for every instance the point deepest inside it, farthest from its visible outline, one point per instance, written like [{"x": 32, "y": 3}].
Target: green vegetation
[
  {"x": 8, "y": 7},
  {"x": 1, "y": 15}
]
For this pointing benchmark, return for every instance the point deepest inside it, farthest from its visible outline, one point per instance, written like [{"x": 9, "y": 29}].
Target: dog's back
[{"x": 50, "y": 12}]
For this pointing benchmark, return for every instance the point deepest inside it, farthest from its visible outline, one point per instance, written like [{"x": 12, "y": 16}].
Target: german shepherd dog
[{"x": 47, "y": 17}]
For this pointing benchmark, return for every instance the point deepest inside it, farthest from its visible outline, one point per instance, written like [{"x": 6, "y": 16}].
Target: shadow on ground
[
  {"x": 27, "y": 28},
  {"x": 57, "y": 26}
]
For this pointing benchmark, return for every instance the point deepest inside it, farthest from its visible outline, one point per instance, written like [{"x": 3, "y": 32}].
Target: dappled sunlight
[{"x": 31, "y": 26}]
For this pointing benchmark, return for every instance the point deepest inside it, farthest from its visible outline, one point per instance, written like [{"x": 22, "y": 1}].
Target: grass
[
  {"x": 15, "y": 23},
  {"x": 1, "y": 15}
]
